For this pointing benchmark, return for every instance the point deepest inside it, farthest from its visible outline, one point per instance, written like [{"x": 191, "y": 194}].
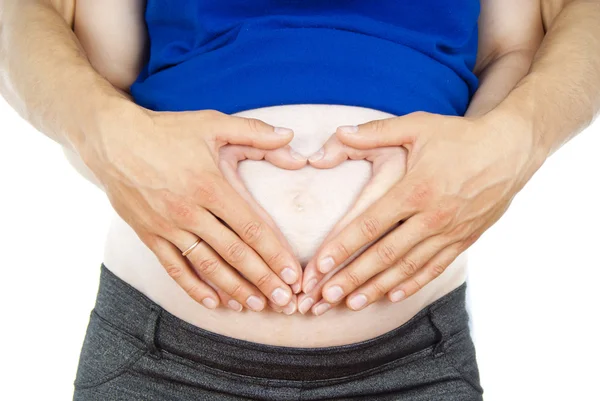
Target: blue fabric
[{"x": 397, "y": 56}]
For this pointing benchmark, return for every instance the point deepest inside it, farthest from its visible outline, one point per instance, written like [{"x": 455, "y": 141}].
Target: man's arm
[
  {"x": 170, "y": 192},
  {"x": 462, "y": 173},
  {"x": 510, "y": 33},
  {"x": 44, "y": 72},
  {"x": 561, "y": 94}
]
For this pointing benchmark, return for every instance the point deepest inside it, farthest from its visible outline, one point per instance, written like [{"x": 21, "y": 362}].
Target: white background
[{"x": 533, "y": 280}]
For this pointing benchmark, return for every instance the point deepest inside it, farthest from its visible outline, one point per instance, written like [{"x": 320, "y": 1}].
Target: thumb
[
  {"x": 395, "y": 131},
  {"x": 253, "y": 132},
  {"x": 284, "y": 157}
]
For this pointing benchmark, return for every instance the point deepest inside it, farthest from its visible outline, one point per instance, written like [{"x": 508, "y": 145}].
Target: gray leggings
[{"x": 135, "y": 350}]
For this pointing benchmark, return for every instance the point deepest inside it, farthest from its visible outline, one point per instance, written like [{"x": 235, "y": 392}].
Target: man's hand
[
  {"x": 230, "y": 156},
  {"x": 161, "y": 173},
  {"x": 388, "y": 166},
  {"x": 461, "y": 175}
]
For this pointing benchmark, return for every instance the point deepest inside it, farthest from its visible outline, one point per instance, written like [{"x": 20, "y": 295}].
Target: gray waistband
[{"x": 129, "y": 310}]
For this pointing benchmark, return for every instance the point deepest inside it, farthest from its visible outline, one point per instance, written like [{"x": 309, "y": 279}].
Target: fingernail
[
  {"x": 290, "y": 308},
  {"x": 317, "y": 156},
  {"x": 334, "y": 293},
  {"x": 306, "y": 304},
  {"x": 310, "y": 285},
  {"x": 280, "y": 296},
  {"x": 324, "y": 307},
  {"x": 235, "y": 305},
  {"x": 255, "y": 303},
  {"x": 326, "y": 264},
  {"x": 282, "y": 131},
  {"x": 397, "y": 295},
  {"x": 289, "y": 275},
  {"x": 358, "y": 301},
  {"x": 297, "y": 155},
  {"x": 296, "y": 287},
  {"x": 209, "y": 303},
  {"x": 349, "y": 129}
]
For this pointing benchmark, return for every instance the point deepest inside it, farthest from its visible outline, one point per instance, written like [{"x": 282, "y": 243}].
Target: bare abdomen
[{"x": 305, "y": 204}]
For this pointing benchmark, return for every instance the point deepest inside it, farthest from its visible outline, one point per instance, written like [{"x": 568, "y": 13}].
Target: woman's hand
[
  {"x": 160, "y": 172},
  {"x": 461, "y": 175},
  {"x": 388, "y": 166}
]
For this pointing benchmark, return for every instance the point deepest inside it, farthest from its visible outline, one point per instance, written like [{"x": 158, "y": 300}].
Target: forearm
[
  {"x": 45, "y": 75},
  {"x": 497, "y": 80},
  {"x": 560, "y": 95}
]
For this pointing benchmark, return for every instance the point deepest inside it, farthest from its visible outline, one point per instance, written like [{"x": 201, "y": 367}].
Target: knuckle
[
  {"x": 254, "y": 124},
  {"x": 378, "y": 126},
  {"x": 341, "y": 251},
  {"x": 207, "y": 266},
  {"x": 179, "y": 210},
  {"x": 236, "y": 251},
  {"x": 276, "y": 259},
  {"x": 408, "y": 267},
  {"x": 437, "y": 269},
  {"x": 387, "y": 254},
  {"x": 194, "y": 291},
  {"x": 379, "y": 289},
  {"x": 370, "y": 228},
  {"x": 438, "y": 219},
  {"x": 264, "y": 279},
  {"x": 206, "y": 191},
  {"x": 419, "y": 114},
  {"x": 173, "y": 270},
  {"x": 418, "y": 284},
  {"x": 236, "y": 291},
  {"x": 163, "y": 226},
  {"x": 420, "y": 194},
  {"x": 351, "y": 277},
  {"x": 210, "y": 114},
  {"x": 252, "y": 232}
]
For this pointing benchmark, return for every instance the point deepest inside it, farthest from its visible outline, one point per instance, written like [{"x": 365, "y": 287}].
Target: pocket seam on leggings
[
  {"x": 450, "y": 361},
  {"x": 118, "y": 372},
  {"x": 131, "y": 359},
  {"x": 107, "y": 325}
]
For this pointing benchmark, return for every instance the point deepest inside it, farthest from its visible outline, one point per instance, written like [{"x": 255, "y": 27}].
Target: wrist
[
  {"x": 101, "y": 115},
  {"x": 515, "y": 118}
]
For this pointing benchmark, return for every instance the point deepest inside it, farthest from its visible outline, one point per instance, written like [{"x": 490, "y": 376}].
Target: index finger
[
  {"x": 235, "y": 212},
  {"x": 376, "y": 221}
]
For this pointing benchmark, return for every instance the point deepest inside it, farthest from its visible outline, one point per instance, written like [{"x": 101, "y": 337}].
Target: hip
[{"x": 134, "y": 349}]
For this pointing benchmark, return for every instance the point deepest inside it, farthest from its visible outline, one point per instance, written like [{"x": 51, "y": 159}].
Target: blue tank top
[{"x": 396, "y": 56}]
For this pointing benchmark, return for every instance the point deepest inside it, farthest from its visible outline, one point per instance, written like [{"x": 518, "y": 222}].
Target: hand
[
  {"x": 160, "y": 173},
  {"x": 230, "y": 156},
  {"x": 462, "y": 174},
  {"x": 388, "y": 166}
]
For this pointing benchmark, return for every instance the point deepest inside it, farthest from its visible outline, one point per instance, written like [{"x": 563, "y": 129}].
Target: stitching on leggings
[
  {"x": 122, "y": 369},
  {"x": 107, "y": 325}
]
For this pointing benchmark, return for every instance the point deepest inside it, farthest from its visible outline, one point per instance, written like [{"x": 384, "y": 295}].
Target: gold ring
[{"x": 187, "y": 251}]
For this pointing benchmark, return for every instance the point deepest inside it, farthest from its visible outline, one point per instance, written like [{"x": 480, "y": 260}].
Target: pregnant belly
[{"x": 305, "y": 204}]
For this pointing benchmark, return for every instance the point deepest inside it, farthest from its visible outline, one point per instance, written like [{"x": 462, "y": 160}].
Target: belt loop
[
  {"x": 439, "y": 347},
  {"x": 150, "y": 333},
  {"x": 448, "y": 318}
]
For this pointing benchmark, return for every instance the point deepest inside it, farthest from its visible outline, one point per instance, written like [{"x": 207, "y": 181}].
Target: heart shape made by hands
[{"x": 309, "y": 202}]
